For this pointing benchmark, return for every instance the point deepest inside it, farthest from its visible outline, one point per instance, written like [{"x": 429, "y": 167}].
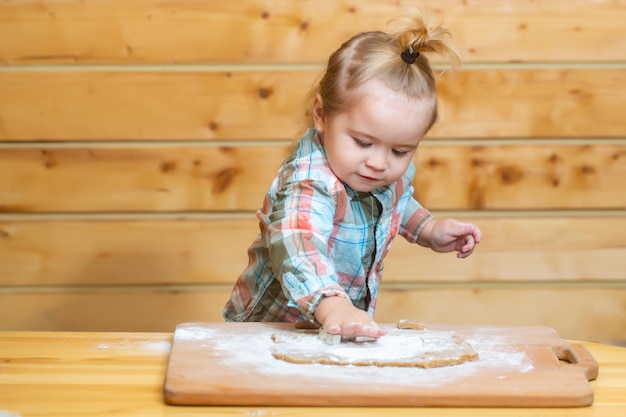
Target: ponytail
[{"x": 396, "y": 58}]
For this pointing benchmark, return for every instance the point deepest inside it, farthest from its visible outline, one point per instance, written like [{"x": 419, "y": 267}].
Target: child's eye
[
  {"x": 361, "y": 143},
  {"x": 398, "y": 153}
]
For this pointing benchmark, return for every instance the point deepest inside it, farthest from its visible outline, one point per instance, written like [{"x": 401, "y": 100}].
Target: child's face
[{"x": 371, "y": 144}]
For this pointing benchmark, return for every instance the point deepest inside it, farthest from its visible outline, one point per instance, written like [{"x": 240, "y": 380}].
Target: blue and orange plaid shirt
[{"x": 320, "y": 238}]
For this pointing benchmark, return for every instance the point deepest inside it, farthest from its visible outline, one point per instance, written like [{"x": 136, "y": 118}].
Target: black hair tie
[{"x": 409, "y": 56}]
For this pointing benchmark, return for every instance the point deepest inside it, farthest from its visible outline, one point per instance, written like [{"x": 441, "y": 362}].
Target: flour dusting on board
[
  {"x": 194, "y": 333},
  {"x": 254, "y": 353}
]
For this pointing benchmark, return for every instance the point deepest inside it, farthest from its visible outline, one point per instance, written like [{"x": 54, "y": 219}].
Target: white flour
[
  {"x": 191, "y": 332},
  {"x": 253, "y": 353},
  {"x": 137, "y": 347}
]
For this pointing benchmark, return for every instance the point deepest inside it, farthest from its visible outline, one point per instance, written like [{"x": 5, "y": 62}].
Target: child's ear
[{"x": 318, "y": 113}]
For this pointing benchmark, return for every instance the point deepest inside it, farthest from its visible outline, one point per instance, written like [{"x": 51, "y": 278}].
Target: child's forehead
[
  {"x": 379, "y": 112},
  {"x": 375, "y": 90}
]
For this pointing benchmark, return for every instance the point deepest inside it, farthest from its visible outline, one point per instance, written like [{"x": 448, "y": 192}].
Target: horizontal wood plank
[
  {"x": 170, "y": 118},
  {"x": 278, "y": 31},
  {"x": 597, "y": 314},
  {"x": 113, "y": 253},
  {"x": 211, "y": 178},
  {"x": 565, "y": 309},
  {"x": 257, "y": 105}
]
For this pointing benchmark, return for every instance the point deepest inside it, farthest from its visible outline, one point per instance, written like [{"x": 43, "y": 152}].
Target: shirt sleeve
[
  {"x": 299, "y": 226},
  {"x": 414, "y": 218}
]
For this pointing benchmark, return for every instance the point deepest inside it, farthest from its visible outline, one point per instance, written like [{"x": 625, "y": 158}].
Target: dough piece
[
  {"x": 306, "y": 325},
  {"x": 427, "y": 349},
  {"x": 411, "y": 324}
]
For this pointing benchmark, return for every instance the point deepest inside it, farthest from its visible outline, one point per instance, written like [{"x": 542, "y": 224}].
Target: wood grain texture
[
  {"x": 81, "y": 253},
  {"x": 121, "y": 375},
  {"x": 132, "y": 131},
  {"x": 241, "y": 353},
  {"x": 211, "y": 178},
  {"x": 264, "y": 104},
  {"x": 278, "y": 31},
  {"x": 161, "y": 310},
  {"x": 559, "y": 307}
]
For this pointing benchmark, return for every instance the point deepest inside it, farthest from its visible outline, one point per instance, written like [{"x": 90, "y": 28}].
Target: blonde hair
[{"x": 378, "y": 55}]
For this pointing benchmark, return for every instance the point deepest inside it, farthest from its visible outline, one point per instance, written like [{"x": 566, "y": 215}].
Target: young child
[{"x": 344, "y": 193}]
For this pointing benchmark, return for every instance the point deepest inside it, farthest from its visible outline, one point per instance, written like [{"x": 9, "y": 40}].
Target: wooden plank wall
[{"x": 137, "y": 138}]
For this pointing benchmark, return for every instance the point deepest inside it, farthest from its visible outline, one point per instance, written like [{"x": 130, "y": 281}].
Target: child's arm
[
  {"x": 338, "y": 316},
  {"x": 298, "y": 230},
  {"x": 449, "y": 235}
]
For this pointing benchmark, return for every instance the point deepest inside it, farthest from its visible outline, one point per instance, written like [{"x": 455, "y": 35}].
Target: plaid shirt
[{"x": 320, "y": 238}]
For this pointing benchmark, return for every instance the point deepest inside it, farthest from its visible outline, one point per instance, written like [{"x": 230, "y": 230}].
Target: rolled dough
[
  {"x": 400, "y": 347},
  {"x": 411, "y": 324}
]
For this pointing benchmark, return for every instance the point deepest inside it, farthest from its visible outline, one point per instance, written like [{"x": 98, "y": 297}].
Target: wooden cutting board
[{"x": 231, "y": 364}]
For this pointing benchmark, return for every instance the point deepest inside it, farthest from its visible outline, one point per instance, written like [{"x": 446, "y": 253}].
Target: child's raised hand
[
  {"x": 339, "y": 316},
  {"x": 449, "y": 235}
]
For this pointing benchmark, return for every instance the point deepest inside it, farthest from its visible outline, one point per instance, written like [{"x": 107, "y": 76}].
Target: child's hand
[
  {"x": 449, "y": 235},
  {"x": 339, "y": 316}
]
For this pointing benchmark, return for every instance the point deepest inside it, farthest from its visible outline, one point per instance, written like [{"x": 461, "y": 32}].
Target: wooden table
[{"x": 121, "y": 374}]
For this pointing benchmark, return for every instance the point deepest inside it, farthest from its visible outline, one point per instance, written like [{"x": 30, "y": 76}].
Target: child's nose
[{"x": 377, "y": 161}]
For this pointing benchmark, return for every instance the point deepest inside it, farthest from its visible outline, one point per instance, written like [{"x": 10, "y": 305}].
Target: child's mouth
[{"x": 365, "y": 177}]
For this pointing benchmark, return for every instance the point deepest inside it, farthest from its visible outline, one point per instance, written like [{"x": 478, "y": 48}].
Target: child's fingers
[
  {"x": 477, "y": 234},
  {"x": 357, "y": 329},
  {"x": 467, "y": 248},
  {"x": 333, "y": 329}
]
